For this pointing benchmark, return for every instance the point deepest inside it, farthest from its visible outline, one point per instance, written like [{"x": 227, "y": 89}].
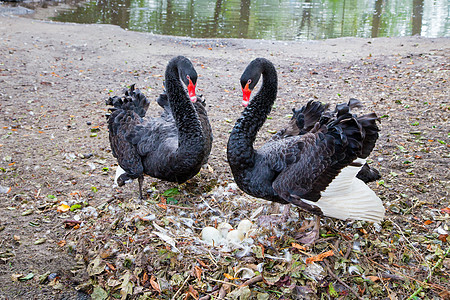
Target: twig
[
  {"x": 37, "y": 194},
  {"x": 67, "y": 234},
  {"x": 176, "y": 294},
  {"x": 386, "y": 287},
  {"x": 252, "y": 281},
  {"x": 72, "y": 221},
  {"x": 212, "y": 258},
  {"x": 392, "y": 276},
  {"x": 431, "y": 274},
  {"x": 106, "y": 202},
  {"x": 223, "y": 281},
  {"x": 341, "y": 281},
  {"x": 303, "y": 252},
  {"x": 180, "y": 207},
  {"x": 349, "y": 251},
  {"x": 406, "y": 239}
]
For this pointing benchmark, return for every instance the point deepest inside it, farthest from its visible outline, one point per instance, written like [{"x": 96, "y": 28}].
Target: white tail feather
[
  {"x": 348, "y": 197},
  {"x": 119, "y": 171}
]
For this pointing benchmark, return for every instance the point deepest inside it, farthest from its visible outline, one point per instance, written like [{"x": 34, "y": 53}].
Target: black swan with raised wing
[
  {"x": 313, "y": 163},
  {"x": 172, "y": 147}
]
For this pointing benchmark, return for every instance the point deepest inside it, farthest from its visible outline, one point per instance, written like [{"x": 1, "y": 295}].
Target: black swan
[
  {"x": 172, "y": 147},
  {"x": 313, "y": 163}
]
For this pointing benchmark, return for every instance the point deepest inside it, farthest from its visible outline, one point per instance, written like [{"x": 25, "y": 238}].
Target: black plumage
[
  {"x": 200, "y": 107},
  {"x": 304, "y": 119},
  {"x": 300, "y": 162},
  {"x": 172, "y": 147}
]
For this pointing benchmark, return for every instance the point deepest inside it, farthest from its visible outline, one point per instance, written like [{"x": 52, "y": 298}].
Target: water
[{"x": 269, "y": 19}]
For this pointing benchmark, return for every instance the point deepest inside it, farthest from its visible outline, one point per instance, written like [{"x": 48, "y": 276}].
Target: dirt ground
[{"x": 54, "y": 150}]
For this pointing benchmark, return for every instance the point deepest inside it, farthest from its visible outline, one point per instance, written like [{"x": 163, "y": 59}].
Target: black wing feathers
[
  {"x": 333, "y": 143},
  {"x": 133, "y": 100},
  {"x": 120, "y": 123}
]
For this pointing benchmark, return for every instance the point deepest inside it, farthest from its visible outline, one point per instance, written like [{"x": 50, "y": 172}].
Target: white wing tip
[
  {"x": 358, "y": 202},
  {"x": 119, "y": 171}
]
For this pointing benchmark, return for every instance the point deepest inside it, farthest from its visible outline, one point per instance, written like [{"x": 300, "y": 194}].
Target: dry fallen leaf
[
  {"x": 192, "y": 292},
  {"x": 111, "y": 266},
  {"x": 144, "y": 278},
  {"x": 202, "y": 263},
  {"x": 228, "y": 276},
  {"x": 198, "y": 272},
  {"x": 298, "y": 246},
  {"x": 446, "y": 210},
  {"x": 443, "y": 237},
  {"x": 63, "y": 208},
  {"x": 319, "y": 257},
  {"x": 154, "y": 284},
  {"x": 373, "y": 278}
]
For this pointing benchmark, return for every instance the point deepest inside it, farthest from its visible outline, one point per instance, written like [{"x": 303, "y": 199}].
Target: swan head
[
  {"x": 188, "y": 76},
  {"x": 249, "y": 79}
]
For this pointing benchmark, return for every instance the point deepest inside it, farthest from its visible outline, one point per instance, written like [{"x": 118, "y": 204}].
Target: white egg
[
  {"x": 224, "y": 228},
  {"x": 211, "y": 235},
  {"x": 244, "y": 226},
  {"x": 235, "y": 236}
]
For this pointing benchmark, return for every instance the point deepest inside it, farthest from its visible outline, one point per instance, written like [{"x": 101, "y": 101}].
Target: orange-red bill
[
  {"x": 246, "y": 92},
  {"x": 191, "y": 91}
]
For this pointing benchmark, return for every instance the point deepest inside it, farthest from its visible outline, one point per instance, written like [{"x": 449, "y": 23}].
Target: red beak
[
  {"x": 246, "y": 92},
  {"x": 191, "y": 91}
]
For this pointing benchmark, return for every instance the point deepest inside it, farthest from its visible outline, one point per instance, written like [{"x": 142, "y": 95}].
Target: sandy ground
[{"x": 54, "y": 79}]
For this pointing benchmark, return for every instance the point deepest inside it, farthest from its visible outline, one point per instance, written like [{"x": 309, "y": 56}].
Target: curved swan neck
[
  {"x": 184, "y": 113},
  {"x": 255, "y": 114},
  {"x": 260, "y": 106}
]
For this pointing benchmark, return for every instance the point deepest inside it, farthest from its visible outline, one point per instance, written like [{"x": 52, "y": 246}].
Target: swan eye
[
  {"x": 188, "y": 77},
  {"x": 249, "y": 81}
]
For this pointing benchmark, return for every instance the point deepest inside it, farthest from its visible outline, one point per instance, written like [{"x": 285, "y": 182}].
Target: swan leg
[{"x": 140, "y": 181}]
